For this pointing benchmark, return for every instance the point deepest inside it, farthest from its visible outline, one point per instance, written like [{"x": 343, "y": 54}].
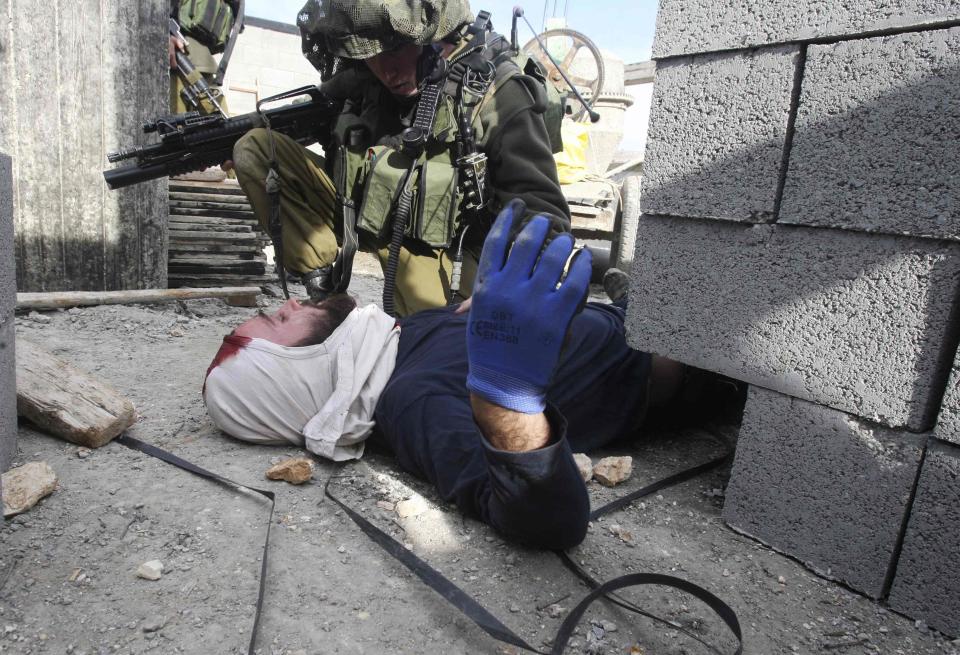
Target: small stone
[
  {"x": 726, "y": 573},
  {"x": 150, "y": 570},
  {"x": 514, "y": 608},
  {"x": 37, "y": 317},
  {"x": 24, "y": 486},
  {"x": 153, "y": 624},
  {"x": 413, "y": 506},
  {"x": 83, "y": 453},
  {"x": 584, "y": 465},
  {"x": 611, "y": 471},
  {"x": 341, "y": 549},
  {"x": 363, "y": 616},
  {"x": 609, "y": 626},
  {"x": 296, "y": 470},
  {"x": 385, "y": 504},
  {"x": 624, "y": 535},
  {"x": 555, "y": 611},
  {"x": 781, "y": 580},
  {"x": 176, "y": 332}
]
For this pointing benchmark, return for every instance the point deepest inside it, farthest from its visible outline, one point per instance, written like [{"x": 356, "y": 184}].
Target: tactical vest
[{"x": 371, "y": 175}]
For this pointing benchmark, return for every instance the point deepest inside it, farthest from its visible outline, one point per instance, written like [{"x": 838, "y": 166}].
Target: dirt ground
[{"x": 67, "y": 573}]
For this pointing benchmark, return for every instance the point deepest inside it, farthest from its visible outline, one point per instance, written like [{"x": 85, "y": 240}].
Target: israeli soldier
[
  {"x": 206, "y": 26},
  {"x": 439, "y": 129}
]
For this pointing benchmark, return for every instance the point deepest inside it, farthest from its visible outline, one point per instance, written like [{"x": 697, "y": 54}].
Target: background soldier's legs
[
  {"x": 307, "y": 197},
  {"x": 423, "y": 278}
]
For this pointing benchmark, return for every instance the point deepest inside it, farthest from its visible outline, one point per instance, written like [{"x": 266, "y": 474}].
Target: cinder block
[
  {"x": 854, "y": 321},
  {"x": 927, "y": 583},
  {"x": 8, "y": 298},
  {"x": 875, "y": 146},
  {"x": 948, "y": 422},
  {"x": 716, "y": 136},
  {"x": 822, "y": 486},
  {"x": 8, "y": 393},
  {"x": 686, "y": 27}
]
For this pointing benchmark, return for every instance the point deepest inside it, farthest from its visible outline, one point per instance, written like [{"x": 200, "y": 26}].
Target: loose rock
[
  {"x": 25, "y": 485},
  {"x": 150, "y": 570},
  {"x": 153, "y": 624},
  {"x": 611, "y": 471},
  {"x": 584, "y": 465},
  {"x": 296, "y": 470}
]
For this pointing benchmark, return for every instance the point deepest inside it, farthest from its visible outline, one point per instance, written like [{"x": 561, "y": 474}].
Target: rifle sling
[
  {"x": 463, "y": 601},
  {"x": 228, "y": 49}
]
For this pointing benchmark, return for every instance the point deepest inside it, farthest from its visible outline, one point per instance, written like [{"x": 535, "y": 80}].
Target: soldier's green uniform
[
  {"x": 202, "y": 59},
  {"x": 363, "y": 154}
]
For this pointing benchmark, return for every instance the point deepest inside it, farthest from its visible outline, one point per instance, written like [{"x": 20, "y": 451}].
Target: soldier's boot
[
  {"x": 616, "y": 284},
  {"x": 318, "y": 283}
]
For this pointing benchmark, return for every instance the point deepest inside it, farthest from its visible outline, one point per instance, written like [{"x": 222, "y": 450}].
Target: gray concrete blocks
[
  {"x": 687, "y": 27},
  {"x": 826, "y": 487},
  {"x": 718, "y": 125},
  {"x": 927, "y": 583},
  {"x": 876, "y": 134},
  {"x": 858, "y": 322},
  {"x": 948, "y": 422},
  {"x": 8, "y": 299}
]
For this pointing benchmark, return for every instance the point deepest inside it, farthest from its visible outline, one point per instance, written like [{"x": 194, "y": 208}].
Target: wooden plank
[
  {"x": 213, "y": 206},
  {"x": 207, "y": 197},
  {"x": 216, "y": 258},
  {"x": 220, "y": 188},
  {"x": 230, "y": 268},
  {"x": 642, "y": 72},
  {"x": 215, "y": 213},
  {"x": 251, "y": 282},
  {"x": 177, "y": 228},
  {"x": 59, "y": 300},
  {"x": 184, "y": 237},
  {"x": 67, "y": 402},
  {"x": 252, "y": 249}
]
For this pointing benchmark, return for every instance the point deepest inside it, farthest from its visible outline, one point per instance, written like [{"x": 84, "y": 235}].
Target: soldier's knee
[{"x": 250, "y": 151}]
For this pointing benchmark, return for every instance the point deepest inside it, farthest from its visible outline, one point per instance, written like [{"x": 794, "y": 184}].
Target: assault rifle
[{"x": 191, "y": 142}]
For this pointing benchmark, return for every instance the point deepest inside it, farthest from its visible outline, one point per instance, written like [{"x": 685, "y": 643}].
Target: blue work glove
[{"x": 519, "y": 316}]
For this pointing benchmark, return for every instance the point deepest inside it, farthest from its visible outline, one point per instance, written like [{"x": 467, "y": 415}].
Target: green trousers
[
  {"x": 307, "y": 204},
  {"x": 206, "y": 65}
]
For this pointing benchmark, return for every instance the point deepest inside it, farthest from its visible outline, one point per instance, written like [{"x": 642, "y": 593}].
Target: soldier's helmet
[{"x": 360, "y": 29}]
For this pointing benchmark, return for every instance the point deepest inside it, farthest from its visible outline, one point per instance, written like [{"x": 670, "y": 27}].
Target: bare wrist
[{"x": 506, "y": 429}]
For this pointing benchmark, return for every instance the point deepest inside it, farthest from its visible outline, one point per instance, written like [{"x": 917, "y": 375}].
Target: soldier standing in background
[
  {"x": 206, "y": 26},
  {"x": 440, "y": 128}
]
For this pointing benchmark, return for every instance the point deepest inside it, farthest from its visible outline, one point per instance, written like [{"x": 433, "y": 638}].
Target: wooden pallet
[{"x": 215, "y": 239}]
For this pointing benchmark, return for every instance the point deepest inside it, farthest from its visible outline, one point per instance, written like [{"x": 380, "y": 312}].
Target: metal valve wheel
[{"x": 578, "y": 57}]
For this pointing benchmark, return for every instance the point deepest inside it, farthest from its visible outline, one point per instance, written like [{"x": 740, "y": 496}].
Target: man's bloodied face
[
  {"x": 299, "y": 323},
  {"x": 397, "y": 69}
]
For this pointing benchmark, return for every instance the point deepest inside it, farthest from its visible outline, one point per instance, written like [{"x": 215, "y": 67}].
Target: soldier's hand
[{"x": 174, "y": 45}]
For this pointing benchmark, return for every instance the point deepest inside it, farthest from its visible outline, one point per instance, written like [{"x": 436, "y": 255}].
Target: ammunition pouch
[
  {"x": 207, "y": 21},
  {"x": 435, "y": 197}
]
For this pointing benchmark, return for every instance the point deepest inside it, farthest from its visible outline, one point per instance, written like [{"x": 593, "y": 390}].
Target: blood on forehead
[{"x": 232, "y": 344}]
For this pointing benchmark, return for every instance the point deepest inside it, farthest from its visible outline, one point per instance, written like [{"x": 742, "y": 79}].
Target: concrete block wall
[
  {"x": 8, "y": 299},
  {"x": 82, "y": 77},
  {"x": 800, "y": 233},
  {"x": 266, "y": 61}
]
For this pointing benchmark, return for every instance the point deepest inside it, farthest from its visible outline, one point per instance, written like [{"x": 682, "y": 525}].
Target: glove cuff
[{"x": 506, "y": 391}]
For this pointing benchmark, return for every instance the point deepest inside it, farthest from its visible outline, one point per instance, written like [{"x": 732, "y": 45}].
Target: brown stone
[
  {"x": 25, "y": 485},
  {"x": 295, "y": 470},
  {"x": 584, "y": 465},
  {"x": 611, "y": 471}
]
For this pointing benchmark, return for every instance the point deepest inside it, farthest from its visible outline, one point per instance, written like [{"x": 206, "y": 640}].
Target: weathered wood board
[{"x": 66, "y": 402}]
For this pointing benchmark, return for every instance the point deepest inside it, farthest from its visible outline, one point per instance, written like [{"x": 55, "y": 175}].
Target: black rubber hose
[{"x": 404, "y": 204}]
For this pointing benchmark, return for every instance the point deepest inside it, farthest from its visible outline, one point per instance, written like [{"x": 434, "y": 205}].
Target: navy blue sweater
[{"x": 537, "y": 497}]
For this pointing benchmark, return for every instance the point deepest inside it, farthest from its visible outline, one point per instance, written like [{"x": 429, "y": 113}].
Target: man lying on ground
[{"x": 489, "y": 405}]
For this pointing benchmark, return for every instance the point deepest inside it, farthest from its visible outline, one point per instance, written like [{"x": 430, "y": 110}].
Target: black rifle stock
[{"x": 191, "y": 142}]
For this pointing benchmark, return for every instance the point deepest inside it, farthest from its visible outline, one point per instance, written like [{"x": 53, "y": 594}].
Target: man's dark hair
[{"x": 338, "y": 307}]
